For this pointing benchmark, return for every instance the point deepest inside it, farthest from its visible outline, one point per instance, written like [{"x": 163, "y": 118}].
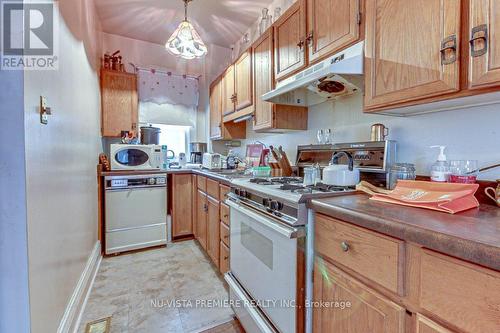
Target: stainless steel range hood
[{"x": 336, "y": 76}]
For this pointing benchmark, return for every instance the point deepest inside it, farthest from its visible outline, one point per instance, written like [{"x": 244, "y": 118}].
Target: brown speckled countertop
[{"x": 473, "y": 235}]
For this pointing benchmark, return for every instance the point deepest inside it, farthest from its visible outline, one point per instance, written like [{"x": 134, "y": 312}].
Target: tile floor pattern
[{"x": 125, "y": 286}]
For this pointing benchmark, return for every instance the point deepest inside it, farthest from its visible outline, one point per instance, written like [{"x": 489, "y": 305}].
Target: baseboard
[{"x": 73, "y": 313}]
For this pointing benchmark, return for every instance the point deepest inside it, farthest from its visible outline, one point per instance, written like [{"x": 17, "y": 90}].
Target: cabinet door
[
  {"x": 425, "y": 325},
  {"x": 202, "y": 205},
  {"x": 224, "y": 258},
  {"x": 243, "y": 80},
  {"x": 412, "y": 50},
  {"x": 368, "y": 311},
  {"x": 263, "y": 80},
  {"x": 194, "y": 206},
  {"x": 182, "y": 221},
  {"x": 228, "y": 98},
  {"x": 215, "y": 110},
  {"x": 119, "y": 103},
  {"x": 484, "y": 34},
  {"x": 213, "y": 234},
  {"x": 332, "y": 25},
  {"x": 289, "y": 39}
]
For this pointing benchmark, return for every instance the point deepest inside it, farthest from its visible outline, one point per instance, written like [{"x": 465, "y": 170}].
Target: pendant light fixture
[{"x": 185, "y": 42}]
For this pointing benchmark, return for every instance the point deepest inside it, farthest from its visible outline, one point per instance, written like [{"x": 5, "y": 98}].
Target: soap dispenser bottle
[{"x": 440, "y": 170}]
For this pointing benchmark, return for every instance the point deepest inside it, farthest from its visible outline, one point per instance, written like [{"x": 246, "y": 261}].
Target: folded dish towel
[{"x": 445, "y": 197}]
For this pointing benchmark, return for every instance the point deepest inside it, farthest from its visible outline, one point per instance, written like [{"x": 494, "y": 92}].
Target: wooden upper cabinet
[
  {"x": 243, "y": 81},
  {"x": 119, "y": 102},
  {"x": 290, "y": 41},
  {"x": 269, "y": 117},
  {"x": 412, "y": 50},
  {"x": 215, "y": 109},
  {"x": 484, "y": 43},
  {"x": 332, "y": 25},
  {"x": 182, "y": 210},
  {"x": 263, "y": 80},
  {"x": 369, "y": 311},
  {"x": 228, "y": 94}
]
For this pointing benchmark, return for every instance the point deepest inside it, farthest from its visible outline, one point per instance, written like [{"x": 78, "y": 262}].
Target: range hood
[{"x": 336, "y": 76}]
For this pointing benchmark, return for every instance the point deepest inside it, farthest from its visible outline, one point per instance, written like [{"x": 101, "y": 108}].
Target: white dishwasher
[{"x": 136, "y": 212}]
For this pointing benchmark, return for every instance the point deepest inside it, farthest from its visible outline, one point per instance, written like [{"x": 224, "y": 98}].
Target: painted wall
[
  {"x": 150, "y": 55},
  {"x": 14, "y": 297},
  {"x": 471, "y": 133},
  {"x": 61, "y": 158}
]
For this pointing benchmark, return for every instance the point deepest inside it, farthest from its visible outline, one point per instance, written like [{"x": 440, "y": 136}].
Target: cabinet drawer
[
  {"x": 202, "y": 183},
  {"x": 224, "y": 234},
  {"x": 224, "y": 190},
  {"x": 372, "y": 255},
  {"x": 463, "y": 294},
  {"x": 224, "y": 258},
  {"x": 213, "y": 188},
  {"x": 224, "y": 213}
]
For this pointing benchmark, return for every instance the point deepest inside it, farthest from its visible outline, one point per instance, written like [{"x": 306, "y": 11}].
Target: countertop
[
  {"x": 473, "y": 235},
  {"x": 226, "y": 178}
]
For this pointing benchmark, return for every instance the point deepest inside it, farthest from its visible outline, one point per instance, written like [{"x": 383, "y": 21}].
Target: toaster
[{"x": 211, "y": 161}]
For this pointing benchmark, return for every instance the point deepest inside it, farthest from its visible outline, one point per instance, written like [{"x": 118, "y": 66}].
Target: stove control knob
[
  {"x": 243, "y": 193},
  {"x": 151, "y": 181},
  {"x": 276, "y": 205},
  {"x": 266, "y": 202},
  {"x": 237, "y": 191}
]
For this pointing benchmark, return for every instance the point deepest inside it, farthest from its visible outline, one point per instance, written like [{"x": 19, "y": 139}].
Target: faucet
[{"x": 337, "y": 155}]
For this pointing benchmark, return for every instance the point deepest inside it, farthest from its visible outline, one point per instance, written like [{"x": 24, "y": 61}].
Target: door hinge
[{"x": 359, "y": 18}]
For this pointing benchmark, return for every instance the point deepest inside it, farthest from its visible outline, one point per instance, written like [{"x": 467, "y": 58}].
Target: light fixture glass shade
[{"x": 185, "y": 42}]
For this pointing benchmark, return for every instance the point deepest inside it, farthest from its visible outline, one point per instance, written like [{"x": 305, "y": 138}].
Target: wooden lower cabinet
[
  {"x": 201, "y": 217},
  {"x": 182, "y": 210},
  {"x": 194, "y": 206},
  {"x": 224, "y": 258},
  {"x": 368, "y": 310},
  {"x": 213, "y": 234},
  {"x": 425, "y": 325}
]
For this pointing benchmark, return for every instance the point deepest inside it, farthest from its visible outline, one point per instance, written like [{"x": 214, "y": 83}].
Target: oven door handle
[{"x": 286, "y": 231}]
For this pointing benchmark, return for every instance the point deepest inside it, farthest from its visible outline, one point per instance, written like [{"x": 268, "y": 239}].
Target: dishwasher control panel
[{"x": 135, "y": 181}]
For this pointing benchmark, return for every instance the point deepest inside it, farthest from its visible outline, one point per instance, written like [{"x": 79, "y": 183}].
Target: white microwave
[{"x": 135, "y": 157}]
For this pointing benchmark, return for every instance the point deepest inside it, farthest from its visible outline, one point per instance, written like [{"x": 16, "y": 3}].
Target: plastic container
[
  {"x": 464, "y": 171},
  {"x": 440, "y": 170},
  {"x": 262, "y": 171},
  {"x": 405, "y": 171}
]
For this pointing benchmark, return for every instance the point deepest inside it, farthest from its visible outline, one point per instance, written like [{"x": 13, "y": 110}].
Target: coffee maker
[{"x": 197, "y": 150}]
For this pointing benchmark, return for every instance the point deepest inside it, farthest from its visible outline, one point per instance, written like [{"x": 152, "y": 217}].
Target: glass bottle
[
  {"x": 277, "y": 13},
  {"x": 265, "y": 21}
]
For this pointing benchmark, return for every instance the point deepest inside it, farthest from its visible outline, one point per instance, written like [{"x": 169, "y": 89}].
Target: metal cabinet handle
[
  {"x": 300, "y": 44},
  {"x": 226, "y": 257},
  {"x": 205, "y": 207},
  {"x": 484, "y": 37},
  {"x": 309, "y": 38},
  {"x": 226, "y": 216},
  {"x": 445, "y": 46},
  {"x": 344, "y": 246}
]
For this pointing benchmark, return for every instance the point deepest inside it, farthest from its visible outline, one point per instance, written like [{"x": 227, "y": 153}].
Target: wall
[
  {"x": 14, "y": 297},
  {"x": 150, "y": 55},
  {"x": 471, "y": 133},
  {"x": 61, "y": 160}
]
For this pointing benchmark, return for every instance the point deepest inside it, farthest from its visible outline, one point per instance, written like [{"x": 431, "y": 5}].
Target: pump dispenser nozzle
[{"x": 442, "y": 156}]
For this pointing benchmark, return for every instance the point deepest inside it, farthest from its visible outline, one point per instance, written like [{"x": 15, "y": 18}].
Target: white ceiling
[{"x": 220, "y": 22}]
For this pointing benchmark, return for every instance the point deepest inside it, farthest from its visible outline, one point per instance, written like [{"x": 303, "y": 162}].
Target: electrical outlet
[{"x": 44, "y": 111}]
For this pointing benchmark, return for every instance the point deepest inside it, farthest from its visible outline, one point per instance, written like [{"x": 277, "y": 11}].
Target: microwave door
[{"x": 131, "y": 158}]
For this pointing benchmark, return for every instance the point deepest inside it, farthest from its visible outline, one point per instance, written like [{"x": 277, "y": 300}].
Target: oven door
[{"x": 263, "y": 259}]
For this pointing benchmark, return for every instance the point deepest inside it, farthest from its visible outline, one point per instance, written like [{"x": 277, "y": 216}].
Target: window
[{"x": 175, "y": 137}]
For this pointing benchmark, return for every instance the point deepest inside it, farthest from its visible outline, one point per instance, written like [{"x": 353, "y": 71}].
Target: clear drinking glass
[
  {"x": 464, "y": 171},
  {"x": 321, "y": 136},
  {"x": 405, "y": 171},
  {"x": 309, "y": 176},
  {"x": 328, "y": 135}
]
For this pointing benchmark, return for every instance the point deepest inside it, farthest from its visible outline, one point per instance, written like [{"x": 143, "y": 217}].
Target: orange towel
[{"x": 444, "y": 197}]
